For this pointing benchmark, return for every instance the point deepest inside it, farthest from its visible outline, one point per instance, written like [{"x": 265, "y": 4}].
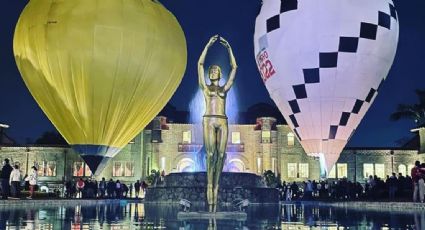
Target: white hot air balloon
[{"x": 323, "y": 62}]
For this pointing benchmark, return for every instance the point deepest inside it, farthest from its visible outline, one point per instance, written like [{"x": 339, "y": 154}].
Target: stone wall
[{"x": 192, "y": 186}]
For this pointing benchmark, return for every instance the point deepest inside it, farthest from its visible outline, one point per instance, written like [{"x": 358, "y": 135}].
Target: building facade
[{"x": 251, "y": 148}]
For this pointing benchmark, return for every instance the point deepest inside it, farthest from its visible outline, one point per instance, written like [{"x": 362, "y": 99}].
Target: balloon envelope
[
  {"x": 323, "y": 63},
  {"x": 99, "y": 69}
]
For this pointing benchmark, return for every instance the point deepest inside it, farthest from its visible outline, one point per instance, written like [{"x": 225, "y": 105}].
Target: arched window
[
  {"x": 402, "y": 169},
  {"x": 236, "y": 165},
  {"x": 291, "y": 139},
  {"x": 186, "y": 165}
]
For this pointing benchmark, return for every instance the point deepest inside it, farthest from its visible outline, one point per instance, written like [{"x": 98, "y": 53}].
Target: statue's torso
[{"x": 215, "y": 101}]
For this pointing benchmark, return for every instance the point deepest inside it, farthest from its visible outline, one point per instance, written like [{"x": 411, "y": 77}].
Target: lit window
[
  {"x": 118, "y": 169},
  {"x": 87, "y": 171},
  {"x": 236, "y": 137},
  {"x": 332, "y": 173},
  {"x": 292, "y": 170},
  {"x": 274, "y": 164},
  {"x": 303, "y": 170},
  {"x": 342, "y": 170},
  {"x": 123, "y": 169},
  {"x": 259, "y": 165},
  {"x": 46, "y": 168},
  {"x": 291, "y": 139},
  {"x": 162, "y": 163},
  {"x": 265, "y": 137},
  {"x": 81, "y": 169},
  {"x": 187, "y": 137},
  {"x": 380, "y": 170},
  {"x": 402, "y": 169},
  {"x": 367, "y": 170},
  {"x": 129, "y": 168}
]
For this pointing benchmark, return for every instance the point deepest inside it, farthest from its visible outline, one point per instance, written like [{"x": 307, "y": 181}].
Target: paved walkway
[
  {"x": 55, "y": 202},
  {"x": 365, "y": 205}
]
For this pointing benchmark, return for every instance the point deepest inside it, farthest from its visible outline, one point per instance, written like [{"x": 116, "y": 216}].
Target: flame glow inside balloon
[
  {"x": 99, "y": 69},
  {"x": 323, "y": 63}
]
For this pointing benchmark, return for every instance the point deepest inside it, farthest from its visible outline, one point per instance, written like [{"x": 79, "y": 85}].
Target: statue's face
[{"x": 214, "y": 73}]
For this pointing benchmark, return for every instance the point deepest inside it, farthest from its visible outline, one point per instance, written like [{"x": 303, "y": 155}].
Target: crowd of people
[
  {"x": 394, "y": 187},
  {"x": 12, "y": 181},
  {"x": 111, "y": 189}
]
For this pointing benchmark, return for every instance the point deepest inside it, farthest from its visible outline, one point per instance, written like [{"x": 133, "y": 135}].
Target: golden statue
[{"x": 215, "y": 120}]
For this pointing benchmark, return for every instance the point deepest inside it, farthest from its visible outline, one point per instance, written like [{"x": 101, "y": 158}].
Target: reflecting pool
[{"x": 147, "y": 216}]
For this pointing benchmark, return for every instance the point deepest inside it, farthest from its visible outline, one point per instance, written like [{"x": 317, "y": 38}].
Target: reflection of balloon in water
[
  {"x": 323, "y": 63},
  {"x": 99, "y": 69}
]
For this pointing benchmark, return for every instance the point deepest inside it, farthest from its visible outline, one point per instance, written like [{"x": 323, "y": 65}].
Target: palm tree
[{"x": 415, "y": 112}]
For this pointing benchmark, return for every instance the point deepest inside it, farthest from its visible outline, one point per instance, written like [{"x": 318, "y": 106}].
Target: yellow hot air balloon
[{"x": 100, "y": 69}]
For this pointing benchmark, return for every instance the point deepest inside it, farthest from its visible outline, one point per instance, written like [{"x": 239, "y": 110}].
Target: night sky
[{"x": 234, "y": 20}]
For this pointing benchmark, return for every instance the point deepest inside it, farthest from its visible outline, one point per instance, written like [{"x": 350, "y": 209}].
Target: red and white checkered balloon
[{"x": 323, "y": 62}]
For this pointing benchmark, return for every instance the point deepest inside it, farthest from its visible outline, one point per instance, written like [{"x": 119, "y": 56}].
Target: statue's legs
[
  {"x": 222, "y": 134},
  {"x": 210, "y": 137}
]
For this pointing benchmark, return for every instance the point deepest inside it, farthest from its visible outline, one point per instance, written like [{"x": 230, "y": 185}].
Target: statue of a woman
[{"x": 215, "y": 120}]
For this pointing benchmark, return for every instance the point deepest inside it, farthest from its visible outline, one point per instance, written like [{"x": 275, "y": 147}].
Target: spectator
[
  {"x": 418, "y": 183},
  {"x": 95, "y": 188},
  {"x": 144, "y": 187},
  {"x": 80, "y": 186},
  {"x": 130, "y": 190},
  {"x": 118, "y": 189},
  {"x": 110, "y": 188},
  {"x": 15, "y": 182},
  {"x": 137, "y": 186},
  {"x": 5, "y": 176},
  {"x": 392, "y": 186},
  {"x": 102, "y": 187},
  {"x": 26, "y": 184},
  {"x": 124, "y": 189},
  {"x": 288, "y": 193},
  {"x": 295, "y": 189},
  {"x": 308, "y": 190},
  {"x": 32, "y": 181},
  {"x": 400, "y": 185}
]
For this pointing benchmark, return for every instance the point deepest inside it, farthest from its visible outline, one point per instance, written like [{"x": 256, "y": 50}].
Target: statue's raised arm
[
  {"x": 201, "y": 71},
  {"x": 232, "y": 74}
]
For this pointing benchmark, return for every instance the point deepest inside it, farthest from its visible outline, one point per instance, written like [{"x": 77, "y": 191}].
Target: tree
[
  {"x": 51, "y": 138},
  {"x": 415, "y": 112},
  {"x": 271, "y": 180}
]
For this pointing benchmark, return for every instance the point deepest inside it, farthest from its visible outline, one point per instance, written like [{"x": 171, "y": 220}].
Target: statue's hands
[
  {"x": 224, "y": 42},
  {"x": 212, "y": 40}
]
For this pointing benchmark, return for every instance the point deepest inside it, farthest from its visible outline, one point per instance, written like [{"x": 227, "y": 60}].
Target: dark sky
[{"x": 234, "y": 20}]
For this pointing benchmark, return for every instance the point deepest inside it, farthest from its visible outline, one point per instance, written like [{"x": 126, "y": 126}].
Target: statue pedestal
[
  {"x": 192, "y": 187},
  {"x": 238, "y": 216}
]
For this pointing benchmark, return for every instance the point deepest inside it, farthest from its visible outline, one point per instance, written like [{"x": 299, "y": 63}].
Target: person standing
[
  {"x": 118, "y": 189},
  {"x": 5, "y": 176},
  {"x": 137, "y": 188},
  {"x": 80, "y": 186},
  {"x": 130, "y": 190},
  {"x": 144, "y": 186},
  {"x": 392, "y": 186},
  {"x": 418, "y": 182},
  {"x": 15, "y": 182},
  {"x": 110, "y": 188},
  {"x": 102, "y": 187},
  {"x": 32, "y": 181}
]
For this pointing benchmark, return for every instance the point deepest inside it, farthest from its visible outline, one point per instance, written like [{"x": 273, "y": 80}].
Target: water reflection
[{"x": 148, "y": 216}]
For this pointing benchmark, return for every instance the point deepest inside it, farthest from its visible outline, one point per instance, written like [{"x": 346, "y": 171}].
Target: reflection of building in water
[{"x": 251, "y": 148}]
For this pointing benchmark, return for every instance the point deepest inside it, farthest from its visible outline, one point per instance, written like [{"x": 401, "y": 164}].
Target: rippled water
[{"x": 143, "y": 216}]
